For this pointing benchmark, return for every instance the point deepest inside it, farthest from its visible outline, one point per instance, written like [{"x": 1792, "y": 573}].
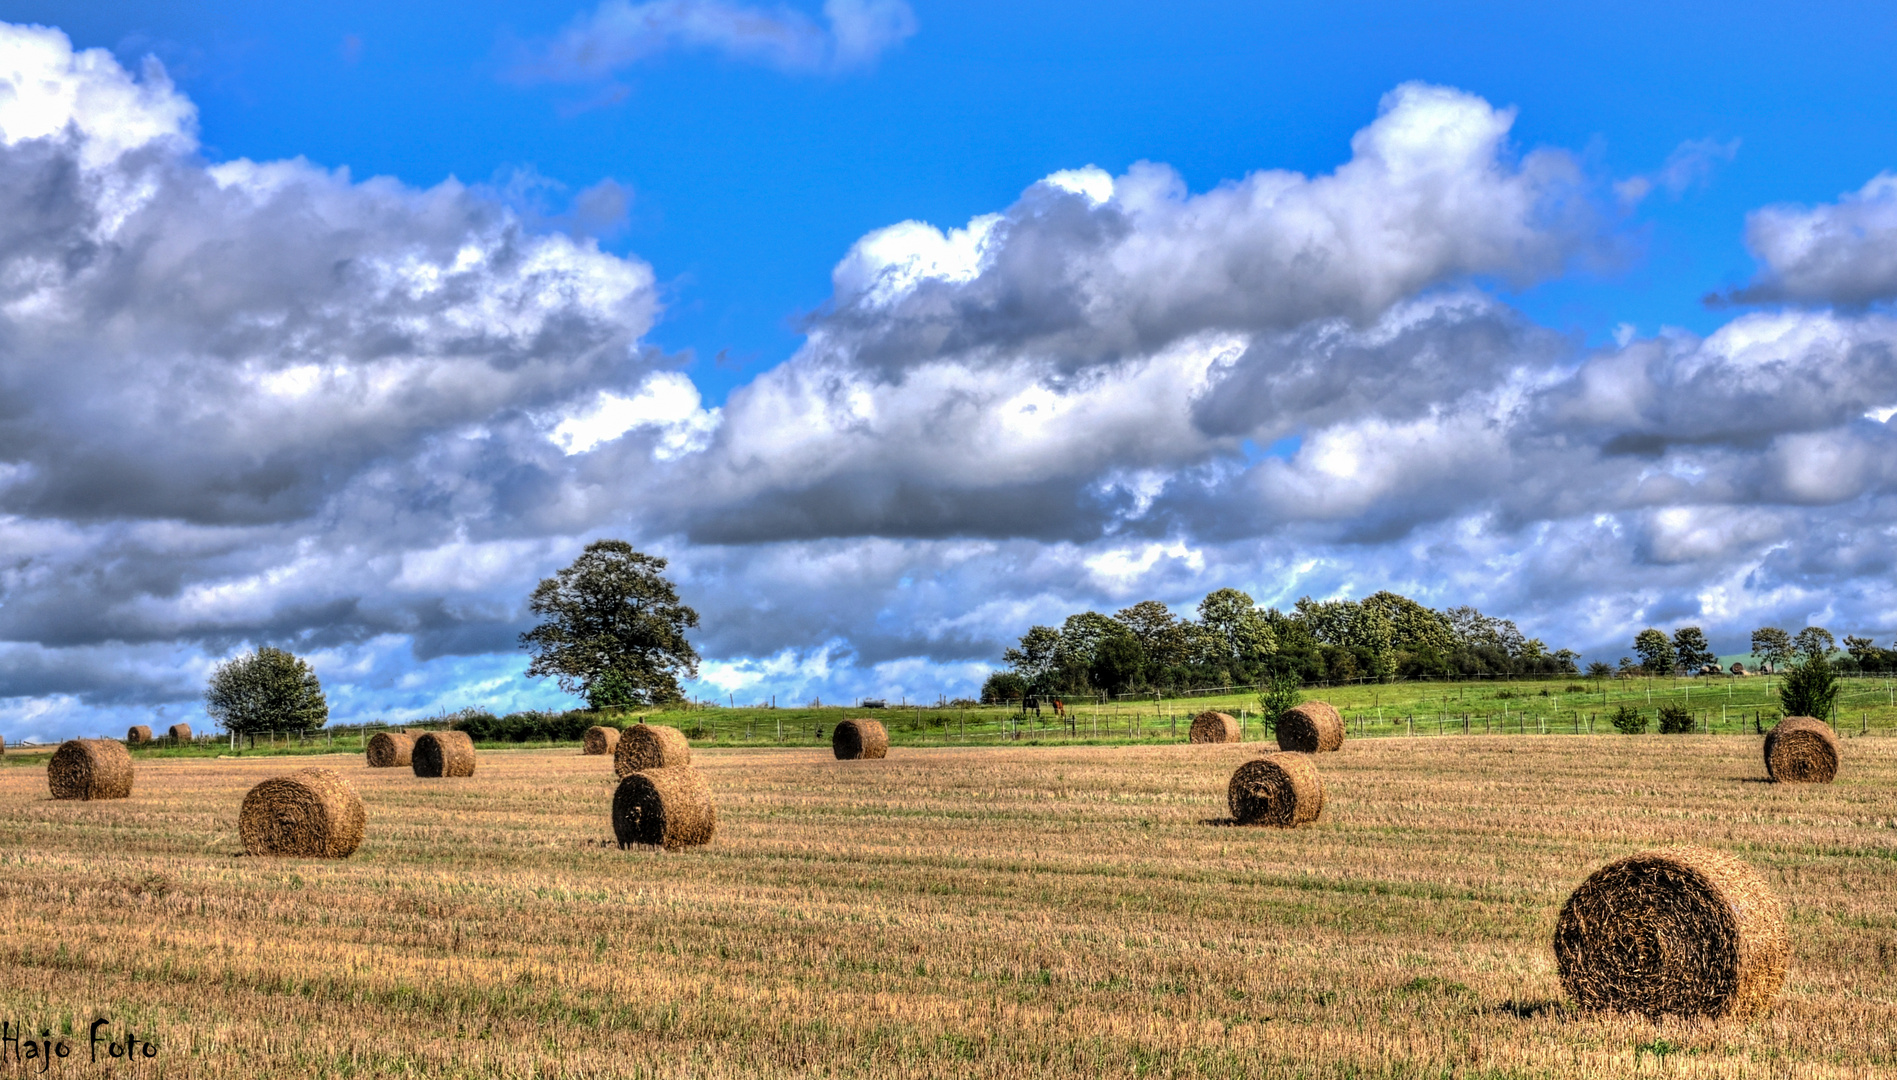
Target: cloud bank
[{"x": 269, "y": 402}]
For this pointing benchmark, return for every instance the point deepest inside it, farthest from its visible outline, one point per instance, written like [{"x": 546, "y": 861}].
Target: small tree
[
  {"x": 1655, "y": 650},
  {"x": 1600, "y": 669},
  {"x": 1772, "y": 645},
  {"x": 268, "y": 690},
  {"x": 614, "y": 629},
  {"x": 1675, "y": 720},
  {"x": 1628, "y": 721},
  {"x": 1810, "y": 688},
  {"x": 1003, "y": 687},
  {"x": 1281, "y": 694},
  {"x": 1690, "y": 650}
]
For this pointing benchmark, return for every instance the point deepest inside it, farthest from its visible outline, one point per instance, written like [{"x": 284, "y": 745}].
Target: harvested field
[{"x": 990, "y": 912}]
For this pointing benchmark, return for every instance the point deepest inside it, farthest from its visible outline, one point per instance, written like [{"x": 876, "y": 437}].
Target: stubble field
[{"x": 1035, "y": 911}]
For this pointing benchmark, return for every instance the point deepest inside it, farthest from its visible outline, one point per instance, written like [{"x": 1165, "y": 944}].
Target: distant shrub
[
  {"x": 523, "y": 727},
  {"x": 1281, "y": 695},
  {"x": 1504, "y": 695},
  {"x": 1675, "y": 720},
  {"x": 698, "y": 731},
  {"x": 1628, "y": 721},
  {"x": 1574, "y": 688}
]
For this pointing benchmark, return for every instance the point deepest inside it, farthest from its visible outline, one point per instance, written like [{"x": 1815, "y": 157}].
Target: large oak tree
[{"x": 612, "y": 629}]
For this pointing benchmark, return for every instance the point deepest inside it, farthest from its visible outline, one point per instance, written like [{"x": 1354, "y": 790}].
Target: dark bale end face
[
  {"x": 1214, "y": 727},
  {"x": 1801, "y": 750},
  {"x": 443, "y": 754},
  {"x": 1686, "y": 931},
  {"x": 1282, "y": 789},
  {"x": 311, "y": 814},
  {"x": 600, "y": 740},
  {"x": 391, "y": 749},
  {"x": 1312, "y": 727},
  {"x": 855, "y": 740},
  {"x": 669, "y": 808},
  {"x": 90, "y": 769}
]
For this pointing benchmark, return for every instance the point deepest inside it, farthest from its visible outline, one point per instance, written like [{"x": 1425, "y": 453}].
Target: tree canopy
[
  {"x": 268, "y": 690},
  {"x": 612, "y": 629},
  {"x": 1233, "y": 641}
]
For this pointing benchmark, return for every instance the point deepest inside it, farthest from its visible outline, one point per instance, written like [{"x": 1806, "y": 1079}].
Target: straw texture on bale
[
  {"x": 309, "y": 814},
  {"x": 180, "y": 733},
  {"x": 137, "y": 735},
  {"x": 601, "y": 740},
  {"x": 669, "y": 807},
  {"x": 1686, "y": 931},
  {"x": 391, "y": 749},
  {"x": 443, "y": 753},
  {"x": 90, "y": 769},
  {"x": 1310, "y": 728},
  {"x": 1281, "y": 789},
  {"x": 650, "y": 746},
  {"x": 1214, "y": 727},
  {"x": 1801, "y": 750},
  {"x": 857, "y": 739}
]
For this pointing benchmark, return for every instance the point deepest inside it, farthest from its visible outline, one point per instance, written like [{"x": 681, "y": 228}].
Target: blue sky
[{"x": 695, "y": 186}]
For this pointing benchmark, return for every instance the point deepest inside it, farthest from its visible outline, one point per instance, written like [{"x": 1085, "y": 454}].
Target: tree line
[
  {"x": 1686, "y": 651},
  {"x": 1233, "y": 641}
]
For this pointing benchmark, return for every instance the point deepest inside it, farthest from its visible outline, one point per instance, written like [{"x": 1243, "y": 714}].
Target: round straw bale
[
  {"x": 1311, "y": 727},
  {"x": 1685, "y": 930},
  {"x": 670, "y": 807},
  {"x": 180, "y": 733},
  {"x": 391, "y": 749},
  {"x": 1211, "y": 726},
  {"x": 854, "y": 739},
  {"x": 1801, "y": 750},
  {"x": 1281, "y": 789},
  {"x": 601, "y": 740},
  {"x": 137, "y": 735},
  {"x": 650, "y": 746},
  {"x": 308, "y": 814},
  {"x": 90, "y": 769},
  {"x": 443, "y": 753}
]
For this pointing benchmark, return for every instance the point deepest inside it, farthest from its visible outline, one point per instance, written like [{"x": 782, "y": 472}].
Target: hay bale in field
[
  {"x": 1281, "y": 789},
  {"x": 137, "y": 735},
  {"x": 309, "y": 814},
  {"x": 601, "y": 740},
  {"x": 1686, "y": 931},
  {"x": 391, "y": 749},
  {"x": 1801, "y": 750},
  {"x": 1310, "y": 728},
  {"x": 443, "y": 753},
  {"x": 180, "y": 733},
  {"x": 670, "y": 807},
  {"x": 1212, "y": 726},
  {"x": 854, "y": 740},
  {"x": 650, "y": 746},
  {"x": 90, "y": 769}
]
